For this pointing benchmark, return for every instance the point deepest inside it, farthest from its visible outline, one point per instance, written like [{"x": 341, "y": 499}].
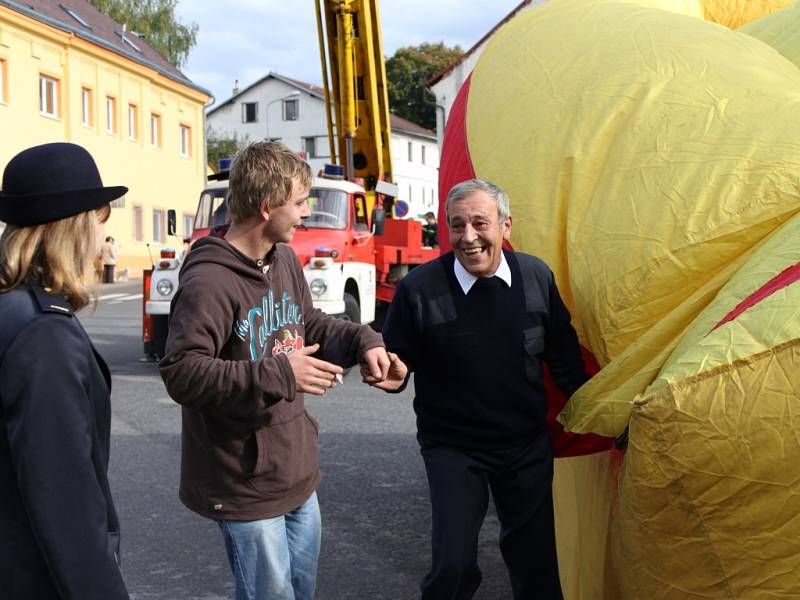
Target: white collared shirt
[{"x": 466, "y": 279}]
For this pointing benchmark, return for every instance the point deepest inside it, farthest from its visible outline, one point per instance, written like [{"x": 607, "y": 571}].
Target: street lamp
[{"x": 288, "y": 96}]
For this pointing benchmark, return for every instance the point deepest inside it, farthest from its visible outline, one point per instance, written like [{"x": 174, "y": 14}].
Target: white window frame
[
  {"x": 244, "y": 112},
  {"x": 111, "y": 115},
  {"x": 188, "y": 225},
  {"x": 159, "y": 225},
  {"x": 76, "y": 16},
  {"x": 126, "y": 40},
  {"x": 133, "y": 122},
  {"x": 312, "y": 140},
  {"x": 86, "y": 106},
  {"x": 48, "y": 94},
  {"x": 423, "y": 156},
  {"x": 185, "y": 140},
  {"x": 286, "y": 103},
  {"x": 138, "y": 223},
  {"x": 155, "y": 130},
  {"x": 410, "y": 152}
]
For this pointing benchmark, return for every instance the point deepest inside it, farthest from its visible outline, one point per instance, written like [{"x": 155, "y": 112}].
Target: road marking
[
  {"x": 110, "y": 296},
  {"x": 127, "y": 297}
]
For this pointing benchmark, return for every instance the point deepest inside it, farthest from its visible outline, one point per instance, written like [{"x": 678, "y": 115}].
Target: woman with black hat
[{"x": 60, "y": 533}]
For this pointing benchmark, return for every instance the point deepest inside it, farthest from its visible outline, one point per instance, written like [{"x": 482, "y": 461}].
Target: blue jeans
[{"x": 275, "y": 559}]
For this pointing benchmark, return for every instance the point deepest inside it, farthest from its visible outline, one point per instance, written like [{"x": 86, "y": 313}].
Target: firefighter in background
[{"x": 430, "y": 233}]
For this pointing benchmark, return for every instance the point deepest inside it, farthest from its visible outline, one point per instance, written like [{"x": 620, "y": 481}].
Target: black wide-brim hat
[{"x": 51, "y": 182}]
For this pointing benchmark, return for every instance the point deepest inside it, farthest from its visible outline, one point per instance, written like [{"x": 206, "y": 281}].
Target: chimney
[{"x": 235, "y": 87}]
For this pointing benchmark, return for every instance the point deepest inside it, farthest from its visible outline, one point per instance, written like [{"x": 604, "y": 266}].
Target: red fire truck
[{"x": 352, "y": 259}]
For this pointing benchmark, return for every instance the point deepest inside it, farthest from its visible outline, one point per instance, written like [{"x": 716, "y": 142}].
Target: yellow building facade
[{"x": 140, "y": 118}]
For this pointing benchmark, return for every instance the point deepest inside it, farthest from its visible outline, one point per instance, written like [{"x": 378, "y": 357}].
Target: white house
[
  {"x": 446, "y": 84},
  {"x": 281, "y": 108}
]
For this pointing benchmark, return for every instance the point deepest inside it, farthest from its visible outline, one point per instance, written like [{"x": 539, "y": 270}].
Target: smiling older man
[{"x": 475, "y": 326}]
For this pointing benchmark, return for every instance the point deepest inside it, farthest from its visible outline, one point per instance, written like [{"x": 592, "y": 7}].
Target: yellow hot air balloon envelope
[{"x": 652, "y": 157}]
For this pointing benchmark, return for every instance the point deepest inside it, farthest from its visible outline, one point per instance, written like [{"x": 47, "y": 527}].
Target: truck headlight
[
  {"x": 164, "y": 287},
  {"x": 318, "y": 287}
]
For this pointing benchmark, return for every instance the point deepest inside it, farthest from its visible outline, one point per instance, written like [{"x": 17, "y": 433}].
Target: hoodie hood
[{"x": 216, "y": 250}]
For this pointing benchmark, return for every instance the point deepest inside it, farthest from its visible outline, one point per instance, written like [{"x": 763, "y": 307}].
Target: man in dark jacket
[
  {"x": 474, "y": 326},
  {"x": 240, "y": 356}
]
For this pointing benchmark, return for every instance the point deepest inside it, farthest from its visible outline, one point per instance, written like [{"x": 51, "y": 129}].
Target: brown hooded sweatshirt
[{"x": 249, "y": 448}]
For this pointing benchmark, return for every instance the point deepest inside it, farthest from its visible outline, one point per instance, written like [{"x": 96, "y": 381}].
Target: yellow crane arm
[{"x": 354, "y": 78}]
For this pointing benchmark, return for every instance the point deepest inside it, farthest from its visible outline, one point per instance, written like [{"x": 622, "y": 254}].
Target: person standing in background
[
  {"x": 430, "y": 231},
  {"x": 108, "y": 254}
]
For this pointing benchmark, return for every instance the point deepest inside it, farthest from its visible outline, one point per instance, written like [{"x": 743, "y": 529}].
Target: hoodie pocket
[
  {"x": 287, "y": 455},
  {"x": 260, "y": 450},
  {"x": 313, "y": 422}
]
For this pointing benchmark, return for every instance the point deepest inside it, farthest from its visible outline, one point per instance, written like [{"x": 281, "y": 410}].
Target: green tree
[
  {"x": 155, "y": 22},
  {"x": 407, "y": 70},
  {"x": 220, "y": 145}
]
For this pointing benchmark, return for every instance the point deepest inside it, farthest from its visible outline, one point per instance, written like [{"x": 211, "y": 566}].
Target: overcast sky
[{"x": 245, "y": 39}]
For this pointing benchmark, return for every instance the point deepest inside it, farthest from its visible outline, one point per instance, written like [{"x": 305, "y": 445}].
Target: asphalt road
[{"x": 373, "y": 497}]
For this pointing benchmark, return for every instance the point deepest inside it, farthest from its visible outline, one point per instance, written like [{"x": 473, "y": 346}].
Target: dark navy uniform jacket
[{"x": 59, "y": 533}]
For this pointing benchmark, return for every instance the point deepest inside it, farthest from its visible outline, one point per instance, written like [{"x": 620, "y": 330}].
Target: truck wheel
[{"x": 352, "y": 312}]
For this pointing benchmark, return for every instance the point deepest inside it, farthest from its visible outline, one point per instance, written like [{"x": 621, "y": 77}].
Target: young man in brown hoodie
[{"x": 249, "y": 447}]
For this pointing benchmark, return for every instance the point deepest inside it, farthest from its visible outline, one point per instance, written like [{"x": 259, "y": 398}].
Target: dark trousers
[
  {"x": 520, "y": 481},
  {"x": 108, "y": 273}
]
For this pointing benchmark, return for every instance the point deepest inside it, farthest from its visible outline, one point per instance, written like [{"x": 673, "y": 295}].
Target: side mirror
[
  {"x": 378, "y": 221},
  {"x": 172, "y": 222}
]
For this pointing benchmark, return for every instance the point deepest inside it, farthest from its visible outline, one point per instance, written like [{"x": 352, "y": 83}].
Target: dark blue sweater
[{"x": 476, "y": 357}]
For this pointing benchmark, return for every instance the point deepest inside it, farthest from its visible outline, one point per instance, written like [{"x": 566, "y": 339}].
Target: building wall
[
  {"x": 269, "y": 99},
  {"x": 417, "y": 176},
  {"x": 158, "y": 178},
  {"x": 417, "y": 181},
  {"x": 447, "y": 88}
]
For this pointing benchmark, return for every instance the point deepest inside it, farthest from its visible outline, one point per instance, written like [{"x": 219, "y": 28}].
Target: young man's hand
[
  {"x": 312, "y": 375},
  {"x": 395, "y": 374},
  {"x": 374, "y": 365}
]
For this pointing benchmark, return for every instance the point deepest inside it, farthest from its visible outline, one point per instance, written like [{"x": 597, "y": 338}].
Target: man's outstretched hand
[
  {"x": 383, "y": 370},
  {"x": 312, "y": 375}
]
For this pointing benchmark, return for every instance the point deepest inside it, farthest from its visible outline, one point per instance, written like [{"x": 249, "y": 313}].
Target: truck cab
[{"x": 335, "y": 246}]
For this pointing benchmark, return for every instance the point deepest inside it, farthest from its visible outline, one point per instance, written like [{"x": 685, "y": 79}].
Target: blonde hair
[
  {"x": 53, "y": 255},
  {"x": 264, "y": 172}
]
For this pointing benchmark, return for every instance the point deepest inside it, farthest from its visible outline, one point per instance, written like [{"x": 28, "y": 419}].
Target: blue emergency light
[{"x": 333, "y": 171}]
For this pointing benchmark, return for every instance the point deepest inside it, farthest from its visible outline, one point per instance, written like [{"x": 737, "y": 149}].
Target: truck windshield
[
  {"x": 328, "y": 209},
  {"x": 211, "y": 210}
]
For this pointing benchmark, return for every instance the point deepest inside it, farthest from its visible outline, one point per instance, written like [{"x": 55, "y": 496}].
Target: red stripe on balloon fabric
[
  {"x": 566, "y": 443},
  {"x": 780, "y": 281},
  {"x": 455, "y": 165}
]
